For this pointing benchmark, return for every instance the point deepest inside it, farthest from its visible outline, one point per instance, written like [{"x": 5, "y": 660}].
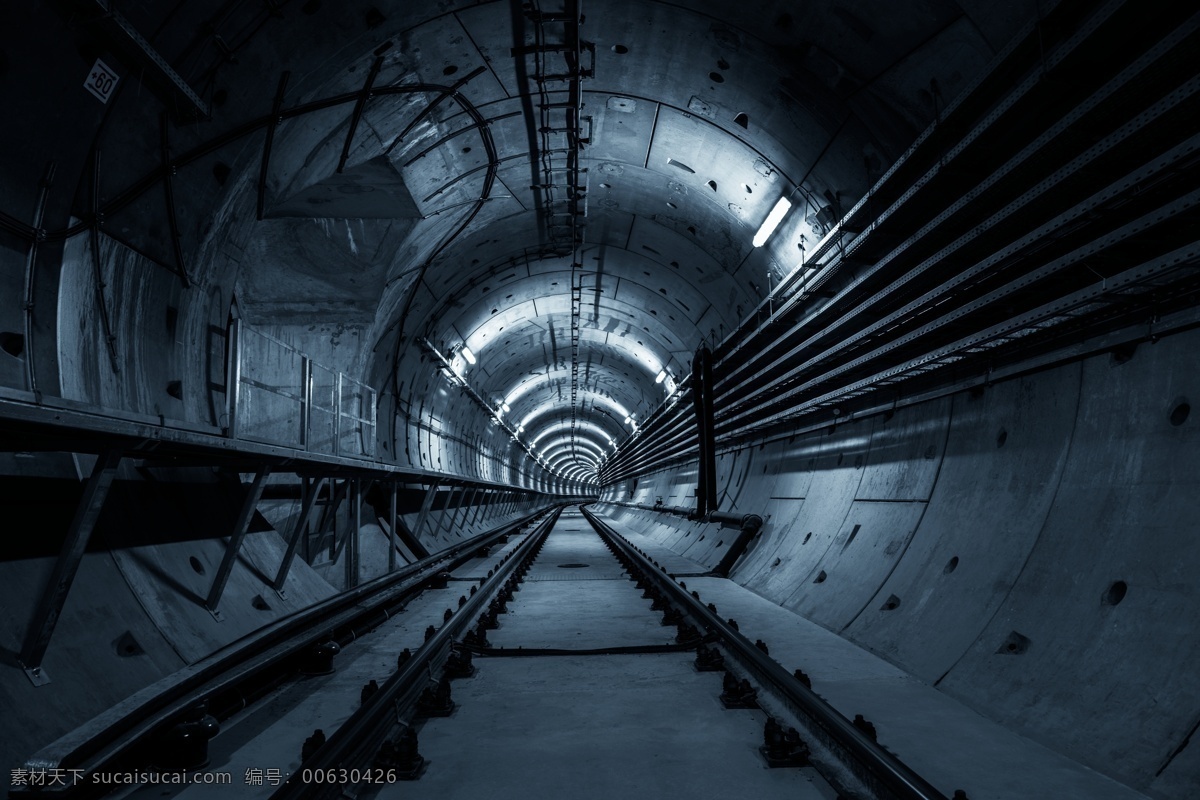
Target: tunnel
[{"x": 409, "y": 336}]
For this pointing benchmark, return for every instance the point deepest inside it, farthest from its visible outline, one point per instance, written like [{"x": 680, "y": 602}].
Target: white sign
[{"x": 101, "y": 81}]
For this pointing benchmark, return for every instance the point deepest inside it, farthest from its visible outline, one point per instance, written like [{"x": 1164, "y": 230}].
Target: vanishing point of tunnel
[{"x": 599, "y": 398}]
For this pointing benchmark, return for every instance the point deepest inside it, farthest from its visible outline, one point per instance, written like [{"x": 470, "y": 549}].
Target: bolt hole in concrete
[
  {"x": 680, "y": 165},
  {"x": 259, "y": 603},
  {"x": 1001, "y": 437},
  {"x": 450, "y": 70},
  {"x": 807, "y": 536},
  {"x": 1180, "y": 412},
  {"x": 1116, "y": 593},
  {"x": 12, "y": 343},
  {"x": 716, "y": 77},
  {"x": 572, "y": 566},
  {"x": 1014, "y": 645},
  {"x": 821, "y": 576},
  {"x": 620, "y": 49},
  {"x": 127, "y": 646},
  {"x": 951, "y": 565},
  {"x": 891, "y": 604},
  {"x": 196, "y": 565},
  {"x": 742, "y": 120}
]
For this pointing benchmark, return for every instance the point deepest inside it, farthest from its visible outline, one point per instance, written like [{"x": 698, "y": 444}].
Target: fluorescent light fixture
[
  {"x": 468, "y": 355},
  {"x": 772, "y": 221},
  {"x": 661, "y": 376}
]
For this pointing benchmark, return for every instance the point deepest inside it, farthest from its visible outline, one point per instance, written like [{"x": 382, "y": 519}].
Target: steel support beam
[
  {"x": 751, "y": 524},
  {"x": 312, "y": 489},
  {"x": 393, "y": 537},
  {"x": 272, "y": 123},
  {"x": 169, "y": 199},
  {"x": 124, "y": 31},
  {"x": 235, "y": 541},
  {"x": 426, "y": 504},
  {"x": 446, "y": 521},
  {"x": 359, "y": 106},
  {"x": 41, "y": 628},
  {"x": 702, "y": 388},
  {"x": 351, "y": 539},
  {"x": 39, "y": 214}
]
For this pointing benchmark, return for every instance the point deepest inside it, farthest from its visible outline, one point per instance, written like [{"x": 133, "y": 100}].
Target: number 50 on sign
[{"x": 101, "y": 81}]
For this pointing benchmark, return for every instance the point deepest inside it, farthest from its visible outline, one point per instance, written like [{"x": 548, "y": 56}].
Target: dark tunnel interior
[{"x": 874, "y": 321}]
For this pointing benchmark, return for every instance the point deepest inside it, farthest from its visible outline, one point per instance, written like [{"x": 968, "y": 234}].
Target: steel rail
[
  {"x": 356, "y": 742},
  {"x": 115, "y": 735},
  {"x": 887, "y": 775}
]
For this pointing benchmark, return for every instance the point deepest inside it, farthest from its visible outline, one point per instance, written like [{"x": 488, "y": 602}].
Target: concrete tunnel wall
[{"x": 1029, "y": 548}]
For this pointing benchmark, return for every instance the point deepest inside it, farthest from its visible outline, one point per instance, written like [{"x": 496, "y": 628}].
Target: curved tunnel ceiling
[{"x": 448, "y": 221}]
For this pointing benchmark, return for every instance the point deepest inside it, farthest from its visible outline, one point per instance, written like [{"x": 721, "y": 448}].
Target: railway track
[{"x": 567, "y": 662}]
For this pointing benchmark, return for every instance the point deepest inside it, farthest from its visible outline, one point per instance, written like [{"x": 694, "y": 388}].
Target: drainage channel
[{"x": 580, "y": 689}]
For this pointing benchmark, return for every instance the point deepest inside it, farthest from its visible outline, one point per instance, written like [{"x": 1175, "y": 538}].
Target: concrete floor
[
  {"x": 947, "y": 743},
  {"x": 595, "y": 726},
  {"x": 267, "y": 737}
]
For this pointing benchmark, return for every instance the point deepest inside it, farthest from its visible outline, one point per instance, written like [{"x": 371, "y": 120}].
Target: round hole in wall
[
  {"x": 747, "y": 188},
  {"x": 776, "y": 562},
  {"x": 720, "y": 543},
  {"x": 466, "y": 150},
  {"x": 572, "y": 566},
  {"x": 606, "y": 186},
  {"x": 620, "y": 49},
  {"x": 951, "y": 565},
  {"x": 1115, "y": 593},
  {"x": 450, "y": 70},
  {"x": 701, "y": 539},
  {"x": 12, "y": 343},
  {"x": 259, "y": 603},
  {"x": 196, "y": 565},
  {"x": 1180, "y": 412},
  {"x": 1001, "y": 437},
  {"x": 891, "y": 604},
  {"x": 716, "y": 77},
  {"x": 807, "y": 536},
  {"x": 820, "y": 577},
  {"x": 671, "y": 205}
]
